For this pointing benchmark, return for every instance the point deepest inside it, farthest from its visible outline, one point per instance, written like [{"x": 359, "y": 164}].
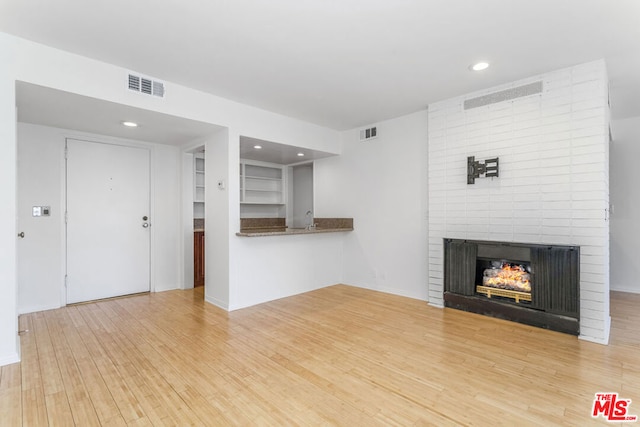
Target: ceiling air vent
[
  {"x": 369, "y": 133},
  {"x": 504, "y": 95},
  {"x": 146, "y": 85}
]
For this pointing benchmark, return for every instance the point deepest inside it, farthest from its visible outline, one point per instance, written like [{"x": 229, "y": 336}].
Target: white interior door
[
  {"x": 41, "y": 235},
  {"x": 108, "y": 239}
]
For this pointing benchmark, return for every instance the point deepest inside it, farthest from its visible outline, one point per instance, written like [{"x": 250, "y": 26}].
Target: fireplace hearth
[{"x": 527, "y": 283}]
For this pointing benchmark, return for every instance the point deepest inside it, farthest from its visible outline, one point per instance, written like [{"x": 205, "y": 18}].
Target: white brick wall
[{"x": 554, "y": 178}]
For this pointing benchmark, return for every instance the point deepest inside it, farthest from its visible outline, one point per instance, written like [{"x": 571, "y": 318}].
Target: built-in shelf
[
  {"x": 262, "y": 189},
  {"x": 263, "y": 178},
  {"x": 262, "y": 203},
  {"x": 198, "y": 186}
]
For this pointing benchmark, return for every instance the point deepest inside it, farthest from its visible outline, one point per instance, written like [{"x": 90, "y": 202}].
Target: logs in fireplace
[{"x": 533, "y": 284}]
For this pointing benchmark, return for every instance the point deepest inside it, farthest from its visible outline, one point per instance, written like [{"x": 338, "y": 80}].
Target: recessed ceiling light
[
  {"x": 258, "y": 147},
  {"x": 300, "y": 154},
  {"x": 479, "y": 66},
  {"x": 130, "y": 124}
]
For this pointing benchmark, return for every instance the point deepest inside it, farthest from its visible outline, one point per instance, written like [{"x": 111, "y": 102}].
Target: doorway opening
[
  {"x": 302, "y": 195},
  {"x": 198, "y": 203}
]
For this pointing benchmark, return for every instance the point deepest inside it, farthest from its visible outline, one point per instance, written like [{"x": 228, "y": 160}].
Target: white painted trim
[
  {"x": 234, "y": 307},
  {"x": 218, "y": 303},
  {"x": 36, "y": 308},
  {"x": 623, "y": 288},
  {"x": 402, "y": 293},
  {"x": 152, "y": 217},
  {"x": 8, "y": 360},
  {"x": 390, "y": 291},
  {"x": 605, "y": 340},
  {"x": 63, "y": 225}
]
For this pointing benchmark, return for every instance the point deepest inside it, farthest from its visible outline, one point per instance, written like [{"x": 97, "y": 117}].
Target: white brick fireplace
[{"x": 553, "y": 184}]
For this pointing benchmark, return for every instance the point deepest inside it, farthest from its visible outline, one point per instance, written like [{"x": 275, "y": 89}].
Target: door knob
[
  {"x": 145, "y": 224},
  {"x": 144, "y": 218},
  {"x": 21, "y": 234}
]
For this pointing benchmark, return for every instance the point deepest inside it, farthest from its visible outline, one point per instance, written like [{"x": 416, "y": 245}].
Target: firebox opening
[
  {"x": 503, "y": 279},
  {"x": 537, "y": 284}
]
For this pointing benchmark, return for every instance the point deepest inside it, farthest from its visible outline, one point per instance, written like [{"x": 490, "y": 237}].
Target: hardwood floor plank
[
  {"x": 82, "y": 409},
  {"x": 97, "y": 391},
  {"x": 34, "y": 411},
  {"x": 149, "y": 390},
  {"x": 34, "y": 407},
  {"x": 95, "y": 340},
  {"x": 58, "y": 409},
  {"x": 336, "y": 356},
  {"x": 161, "y": 398},
  {"x": 11, "y": 395},
  {"x": 50, "y": 373}
]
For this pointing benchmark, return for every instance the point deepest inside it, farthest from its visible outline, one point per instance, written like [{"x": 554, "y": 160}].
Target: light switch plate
[{"x": 41, "y": 211}]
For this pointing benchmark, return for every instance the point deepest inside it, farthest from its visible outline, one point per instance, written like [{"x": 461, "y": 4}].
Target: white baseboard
[
  {"x": 603, "y": 341},
  {"x": 401, "y": 293},
  {"x": 35, "y": 308},
  {"x": 622, "y": 288},
  {"x": 9, "y": 359},
  {"x": 218, "y": 303},
  {"x": 388, "y": 290}
]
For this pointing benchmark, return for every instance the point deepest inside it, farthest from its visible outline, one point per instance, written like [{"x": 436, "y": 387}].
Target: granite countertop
[
  {"x": 288, "y": 231},
  {"x": 260, "y": 227},
  {"x": 198, "y": 225}
]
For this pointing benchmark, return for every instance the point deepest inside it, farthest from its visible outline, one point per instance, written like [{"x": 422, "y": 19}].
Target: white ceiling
[
  {"x": 274, "y": 152},
  {"x": 342, "y": 63},
  {"x": 50, "y": 107}
]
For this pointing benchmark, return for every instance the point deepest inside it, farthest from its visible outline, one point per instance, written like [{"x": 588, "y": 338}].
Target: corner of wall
[{"x": 604, "y": 338}]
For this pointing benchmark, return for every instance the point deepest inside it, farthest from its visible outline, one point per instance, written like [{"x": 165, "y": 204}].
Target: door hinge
[
  {"x": 66, "y": 217},
  {"x": 66, "y": 280},
  {"x": 66, "y": 153}
]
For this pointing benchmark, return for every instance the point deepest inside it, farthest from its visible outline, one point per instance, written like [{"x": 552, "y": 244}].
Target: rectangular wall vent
[
  {"x": 504, "y": 95},
  {"x": 369, "y": 133},
  {"x": 146, "y": 85}
]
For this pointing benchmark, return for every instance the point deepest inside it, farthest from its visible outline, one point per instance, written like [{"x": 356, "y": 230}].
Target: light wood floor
[{"x": 336, "y": 356}]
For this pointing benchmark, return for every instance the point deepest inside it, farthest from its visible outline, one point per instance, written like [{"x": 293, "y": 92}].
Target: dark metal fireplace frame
[{"x": 555, "y": 294}]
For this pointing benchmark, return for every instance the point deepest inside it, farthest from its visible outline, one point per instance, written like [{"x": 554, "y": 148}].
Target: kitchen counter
[
  {"x": 289, "y": 231},
  {"x": 261, "y": 227}
]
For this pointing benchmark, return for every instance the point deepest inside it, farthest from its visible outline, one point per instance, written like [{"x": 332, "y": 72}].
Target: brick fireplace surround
[{"x": 553, "y": 186}]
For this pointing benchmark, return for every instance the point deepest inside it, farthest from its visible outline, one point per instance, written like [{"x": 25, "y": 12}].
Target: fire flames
[{"x": 510, "y": 276}]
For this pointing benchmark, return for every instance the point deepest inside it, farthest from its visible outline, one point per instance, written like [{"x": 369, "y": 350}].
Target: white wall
[
  {"x": 625, "y": 199},
  {"x": 166, "y": 219},
  {"x": 34, "y": 63},
  {"x": 9, "y": 340},
  {"x": 218, "y": 215},
  {"x": 381, "y": 183},
  {"x": 41, "y": 151},
  {"x": 279, "y": 266},
  {"x": 553, "y": 184},
  {"x": 264, "y": 268},
  {"x": 187, "y": 221}
]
